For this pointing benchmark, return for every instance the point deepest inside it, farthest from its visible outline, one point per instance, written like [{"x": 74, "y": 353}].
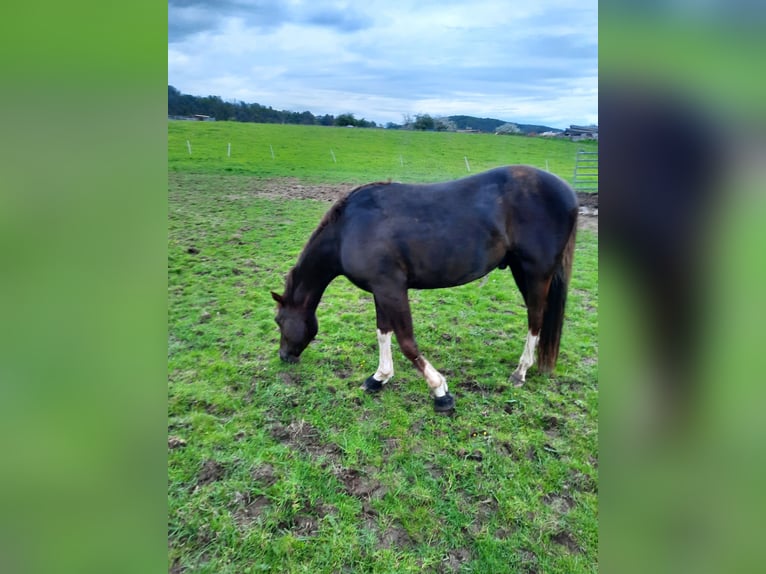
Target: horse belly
[
  {"x": 453, "y": 263},
  {"x": 422, "y": 252}
]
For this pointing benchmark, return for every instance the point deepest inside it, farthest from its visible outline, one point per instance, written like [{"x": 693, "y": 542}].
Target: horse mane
[{"x": 331, "y": 216}]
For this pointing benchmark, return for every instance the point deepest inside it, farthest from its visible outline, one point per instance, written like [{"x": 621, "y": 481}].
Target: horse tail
[{"x": 553, "y": 316}]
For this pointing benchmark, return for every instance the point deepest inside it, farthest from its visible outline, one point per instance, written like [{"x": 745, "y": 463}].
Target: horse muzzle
[{"x": 287, "y": 357}]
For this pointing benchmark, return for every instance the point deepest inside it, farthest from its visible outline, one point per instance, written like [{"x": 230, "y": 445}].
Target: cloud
[{"x": 382, "y": 59}]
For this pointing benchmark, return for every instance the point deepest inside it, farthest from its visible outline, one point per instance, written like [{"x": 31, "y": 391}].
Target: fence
[{"x": 586, "y": 171}]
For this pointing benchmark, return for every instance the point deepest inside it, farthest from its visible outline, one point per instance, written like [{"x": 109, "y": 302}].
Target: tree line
[{"x": 186, "y": 105}]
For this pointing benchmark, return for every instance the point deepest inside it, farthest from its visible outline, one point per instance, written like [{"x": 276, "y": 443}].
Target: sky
[{"x": 533, "y": 61}]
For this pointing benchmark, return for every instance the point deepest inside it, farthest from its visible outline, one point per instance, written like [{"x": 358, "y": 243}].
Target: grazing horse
[{"x": 387, "y": 238}]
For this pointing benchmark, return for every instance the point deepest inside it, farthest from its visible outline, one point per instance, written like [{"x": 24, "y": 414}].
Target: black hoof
[
  {"x": 444, "y": 404},
  {"x": 517, "y": 380},
  {"x": 372, "y": 385}
]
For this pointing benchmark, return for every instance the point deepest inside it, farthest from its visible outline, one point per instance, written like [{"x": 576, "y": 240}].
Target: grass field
[
  {"x": 360, "y": 155},
  {"x": 291, "y": 468}
]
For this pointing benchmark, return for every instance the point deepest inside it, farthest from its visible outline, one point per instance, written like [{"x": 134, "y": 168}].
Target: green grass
[
  {"x": 361, "y": 155},
  {"x": 291, "y": 468}
]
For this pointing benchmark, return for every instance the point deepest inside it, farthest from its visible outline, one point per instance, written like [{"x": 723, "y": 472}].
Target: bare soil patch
[
  {"x": 210, "y": 472},
  {"x": 455, "y": 560},
  {"x": 559, "y": 503},
  {"x": 361, "y": 484},
  {"x": 565, "y": 539},
  {"x": 289, "y": 188},
  {"x": 302, "y": 436},
  {"x": 395, "y": 537},
  {"x": 264, "y": 474},
  {"x": 252, "y": 510}
]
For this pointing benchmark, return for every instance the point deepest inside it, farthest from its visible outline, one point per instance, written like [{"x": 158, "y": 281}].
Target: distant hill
[{"x": 490, "y": 125}]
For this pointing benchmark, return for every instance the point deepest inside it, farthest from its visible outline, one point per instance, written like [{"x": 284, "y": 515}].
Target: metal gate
[{"x": 586, "y": 171}]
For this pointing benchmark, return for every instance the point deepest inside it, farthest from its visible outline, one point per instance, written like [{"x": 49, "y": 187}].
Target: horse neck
[{"x": 317, "y": 266}]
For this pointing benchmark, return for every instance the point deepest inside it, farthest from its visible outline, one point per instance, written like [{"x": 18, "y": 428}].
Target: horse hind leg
[
  {"x": 537, "y": 292},
  {"x": 527, "y": 359}
]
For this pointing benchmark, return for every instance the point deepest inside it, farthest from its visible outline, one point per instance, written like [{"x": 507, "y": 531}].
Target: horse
[{"x": 387, "y": 238}]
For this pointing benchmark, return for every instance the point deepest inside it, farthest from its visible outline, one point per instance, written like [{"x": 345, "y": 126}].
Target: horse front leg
[
  {"x": 375, "y": 382},
  {"x": 393, "y": 314}
]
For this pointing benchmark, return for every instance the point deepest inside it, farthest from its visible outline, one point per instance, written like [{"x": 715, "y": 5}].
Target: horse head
[{"x": 297, "y": 325}]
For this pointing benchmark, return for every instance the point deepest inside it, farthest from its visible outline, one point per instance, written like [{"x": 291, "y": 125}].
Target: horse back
[{"x": 449, "y": 233}]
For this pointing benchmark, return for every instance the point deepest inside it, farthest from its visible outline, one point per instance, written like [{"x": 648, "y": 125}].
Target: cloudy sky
[{"x": 526, "y": 61}]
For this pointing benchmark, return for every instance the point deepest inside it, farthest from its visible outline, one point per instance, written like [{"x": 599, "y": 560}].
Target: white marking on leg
[
  {"x": 527, "y": 357},
  {"x": 386, "y": 362},
  {"x": 436, "y": 381}
]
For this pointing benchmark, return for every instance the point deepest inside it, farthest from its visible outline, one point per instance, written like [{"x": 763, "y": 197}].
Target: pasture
[
  {"x": 351, "y": 155},
  {"x": 291, "y": 468}
]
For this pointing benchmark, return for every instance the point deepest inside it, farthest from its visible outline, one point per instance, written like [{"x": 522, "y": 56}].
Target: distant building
[
  {"x": 578, "y": 133},
  {"x": 194, "y": 118}
]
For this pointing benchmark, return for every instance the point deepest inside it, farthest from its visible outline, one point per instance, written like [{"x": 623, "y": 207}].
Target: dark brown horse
[{"x": 387, "y": 238}]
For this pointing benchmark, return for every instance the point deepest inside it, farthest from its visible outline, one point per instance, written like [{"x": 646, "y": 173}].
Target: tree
[
  {"x": 423, "y": 122},
  {"x": 326, "y": 120},
  {"x": 345, "y": 120},
  {"x": 507, "y": 129},
  {"x": 445, "y": 125}
]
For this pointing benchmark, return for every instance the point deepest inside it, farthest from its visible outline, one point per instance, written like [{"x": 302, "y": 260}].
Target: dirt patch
[
  {"x": 361, "y": 484},
  {"x": 389, "y": 447},
  {"x": 550, "y": 422},
  {"x": 582, "y": 482},
  {"x": 565, "y": 539},
  {"x": 559, "y": 503},
  {"x": 528, "y": 561},
  {"x": 417, "y": 426},
  {"x": 291, "y": 188},
  {"x": 567, "y": 385},
  {"x": 394, "y": 537},
  {"x": 211, "y": 471},
  {"x": 552, "y": 426},
  {"x": 455, "y": 559},
  {"x": 473, "y": 386},
  {"x": 176, "y": 442},
  {"x": 589, "y": 200},
  {"x": 504, "y": 532},
  {"x": 588, "y": 221},
  {"x": 369, "y": 517},
  {"x": 264, "y": 475},
  {"x": 588, "y": 215},
  {"x": 485, "y": 511},
  {"x": 309, "y": 519},
  {"x": 252, "y": 510},
  {"x": 303, "y": 437},
  {"x": 305, "y": 525},
  {"x": 290, "y": 379}
]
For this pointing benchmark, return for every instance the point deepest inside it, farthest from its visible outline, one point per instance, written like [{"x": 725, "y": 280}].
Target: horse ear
[{"x": 278, "y": 298}]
